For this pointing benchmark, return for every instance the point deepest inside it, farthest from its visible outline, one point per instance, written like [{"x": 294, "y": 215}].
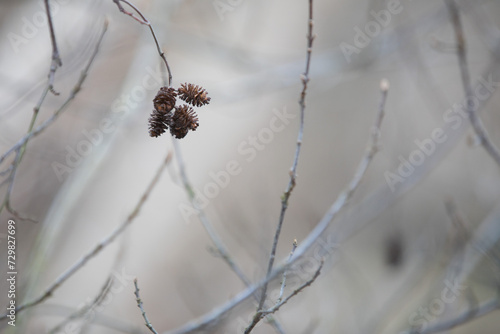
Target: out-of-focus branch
[
  {"x": 220, "y": 247},
  {"x": 476, "y": 122},
  {"x": 20, "y": 146},
  {"x": 100, "y": 246},
  {"x": 87, "y": 308},
  {"x": 20, "y": 150},
  {"x": 207, "y": 224},
  {"x": 293, "y": 171},
  {"x": 460, "y": 319}
]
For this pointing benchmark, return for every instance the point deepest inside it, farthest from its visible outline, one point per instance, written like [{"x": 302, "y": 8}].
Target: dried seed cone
[
  {"x": 164, "y": 100},
  {"x": 158, "y": 123},
  {"x": 197, "y": 96},
  {"x": 183, "y": 120}
]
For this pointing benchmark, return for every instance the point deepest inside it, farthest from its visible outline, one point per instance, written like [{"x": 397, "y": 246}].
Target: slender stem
[
  {"x": 145, "y": 21},
  {"x": 56, "y": 59},
  {"x": 139, "y": 305},
  {"x": 293, "y": 171},
  {"x": 476, "y": 122},
  {"x": 283, "y": 282}
]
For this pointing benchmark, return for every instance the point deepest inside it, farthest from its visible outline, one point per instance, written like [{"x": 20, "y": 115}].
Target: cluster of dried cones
[{"x": 179, "y": 119}]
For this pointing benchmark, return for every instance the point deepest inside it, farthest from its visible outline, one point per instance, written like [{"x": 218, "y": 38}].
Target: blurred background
[{"x": 415, "y": 248}]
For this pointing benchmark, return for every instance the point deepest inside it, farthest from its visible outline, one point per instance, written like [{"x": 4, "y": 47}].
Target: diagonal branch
[
  {"x": 100, "y": 246},
  {"x": 345, "y": 196},
  {"x": 86, "y": 309},
  {"x": 221, "y": 248}
]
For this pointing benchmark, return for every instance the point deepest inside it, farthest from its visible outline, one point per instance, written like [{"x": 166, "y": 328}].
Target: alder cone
[
  {"x": 183, "y": 120},
  {"x": 193, "y": 94},
  {"x": 164, "y": 100},
  {"x": 158, "y": 123}
]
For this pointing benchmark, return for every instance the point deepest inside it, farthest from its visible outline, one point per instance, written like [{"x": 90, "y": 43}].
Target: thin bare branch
[
  {"x": 145, "y": 21},
  {"x": 296, "y": 291},
  {"x": 283, "y": 282},
  {"x": 476, "y": 122},
  {"x": 260, "y": 314},
  {"x": 100, "y": 246},
  {"x": 56, "y": 59},
  {"x": 143, "y": 312},
  {"x": 293, "y": 171}
]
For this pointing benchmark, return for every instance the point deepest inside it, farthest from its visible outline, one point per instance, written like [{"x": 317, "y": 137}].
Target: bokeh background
[{"x": 393, "y": 252}]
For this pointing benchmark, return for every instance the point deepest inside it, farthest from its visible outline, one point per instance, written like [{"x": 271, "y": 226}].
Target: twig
[
  {"x": 139, "y": 305},
  {"x": 86, "y": 308},
  {"x": 260, "y": 314},
  {"x": 120, "y": 7},
  {"x": 56, "y": 59},
  {"x": 20, "y": 146},
  {"x": 476, "y": 122},
  {"x": 283, "y": 282},
  {"x": 293, "y": 171},
  {"x": 296, "y": 291},
  {"x": 100, "y": 246},
  {"x": 145, "y": 21}
]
